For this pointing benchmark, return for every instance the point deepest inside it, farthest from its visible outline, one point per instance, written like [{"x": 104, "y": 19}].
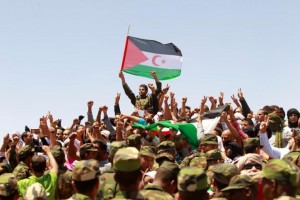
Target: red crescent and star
[{"x": 154, "y": 60}]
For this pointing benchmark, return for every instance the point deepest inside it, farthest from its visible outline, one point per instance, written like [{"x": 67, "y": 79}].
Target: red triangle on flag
[{"x": 134, "y": 56}]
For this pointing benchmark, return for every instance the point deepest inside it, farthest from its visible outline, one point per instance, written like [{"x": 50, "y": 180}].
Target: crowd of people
[{"x": 144, "y": 155}]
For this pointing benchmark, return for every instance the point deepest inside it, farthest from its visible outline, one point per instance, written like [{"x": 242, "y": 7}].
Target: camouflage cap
[
  {"x": 127, "y": 160},
  {"x": 86, "y": 170},
  {"x": 25, "y": 151},
  {"x": 165, "y": 155},
  {"x": 171, "y": 167},
  {"x": 281, "y": 170},
  {"x": 87, "y": 147},
  {"x": 213, "y": 155},
  {"x": 134, "y": 140},
  {"x": 224, "y": 172},
  {"x": 192, "y": 179},
  {"x": 166, "y": 145},
  {"x": 8, "y": 184},
  {"x": 147, "y": 151},
  {"x": 57, "y": 152},
  {"x": 115, "y": 146},
  {"x": 293, "y": 156},
  {"x": 6, "y": 168},
  {"x": 208, "y": 139},
  {"x": 251, "y": 143},
  {"x": 35, "y": 191},
  {"x": 240, "y": 181},
  {"x": 198, "y": 161}
]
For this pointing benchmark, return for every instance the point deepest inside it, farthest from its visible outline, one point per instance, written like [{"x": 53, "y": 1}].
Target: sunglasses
[{"x": 250, "y": 166}]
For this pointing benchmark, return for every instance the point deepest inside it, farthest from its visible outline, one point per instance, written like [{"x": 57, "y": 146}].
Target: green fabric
[
  {"x": 48, "y": 181},
  {"x": 188, "y": 131}
]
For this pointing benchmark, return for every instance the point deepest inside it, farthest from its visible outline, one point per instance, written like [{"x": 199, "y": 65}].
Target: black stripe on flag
[{"x": 155, "y": 47}]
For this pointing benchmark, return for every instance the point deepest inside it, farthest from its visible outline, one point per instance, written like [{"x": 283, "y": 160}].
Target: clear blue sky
[{"x": 56, "y": 55}]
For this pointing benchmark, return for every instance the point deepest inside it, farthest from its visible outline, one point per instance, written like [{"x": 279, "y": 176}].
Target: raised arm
[
  {"x": 53, "y": 163},
  {"x": 183, "y": 104},
  {"x": 167, "y": 111},
  {"x": 127, "y": 90},
  {"x": 221, "y": 98},
  {"x": 117, "y": 104},
  {"x": 213, "y": 102},
  {"x": 158, "y": 83},
  {"x": 245, "y": 106},
  {"x": 90, "y": 111},
  {"x": 202, "y": 105},
  {"x": 235, "y": 101}
]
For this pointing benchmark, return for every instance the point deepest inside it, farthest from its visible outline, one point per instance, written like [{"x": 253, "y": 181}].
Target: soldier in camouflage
[
  {"x": 86, "y": 180},
  {"x": 128, "y": 174},
  {"x": 192, "y": 183},
  {"x": 8, "y": 187},
  {"x": 22, "y": 170},
  {"x": 222, "y": 174},
  {"x": 280, "y": 180},
  {"x": 164, "y": 184},
  {"x": 241, "y": 187},
  {"x": 64, "y": 181},
  {"x": 108, "y": 186}
]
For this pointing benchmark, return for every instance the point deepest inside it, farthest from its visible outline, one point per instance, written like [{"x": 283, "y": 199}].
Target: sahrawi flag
[{"x": 143, "y": 56}]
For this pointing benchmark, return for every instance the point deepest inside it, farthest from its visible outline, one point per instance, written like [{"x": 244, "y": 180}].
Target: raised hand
[
  {"x": 221, "y": 97},
  {"x": 166, "y": 89},
  {"x": 203, "y": 100},
  {"x": 172, "y": 94},
  {"x": 240, "y": 93},
  {"x": 90, "y": 104},
  {"x": 117, "y": 98}
]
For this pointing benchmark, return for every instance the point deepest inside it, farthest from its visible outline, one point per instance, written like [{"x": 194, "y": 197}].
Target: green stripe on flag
[{"x": 145, "y": 71}]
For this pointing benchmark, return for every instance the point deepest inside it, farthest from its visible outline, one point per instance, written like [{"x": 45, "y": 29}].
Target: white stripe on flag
[{"x": 162, "y": 61}]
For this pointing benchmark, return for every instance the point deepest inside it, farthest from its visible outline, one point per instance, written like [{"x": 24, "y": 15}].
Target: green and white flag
[{"x": 143, "y": 56}]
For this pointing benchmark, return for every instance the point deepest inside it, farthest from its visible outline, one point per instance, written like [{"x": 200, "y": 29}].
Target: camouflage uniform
[
  {"x": 134, "y": 140},
  {"x": 166, "y": 151},
  {"x": 5, "y": 168},
  {"x": 85, "y": 170},
  {"x": 196, "y": 159},
  {"x": 155, "y": 192},
  {"x": 212, "y": 158},
  {"x": 127, "y": 160},
  {"x": 208, "y": 139},
  {"x": 191, "y": 179},
  {"x": 64, "y": 178},
  {"x": 8, "y": 185},
  {"x": 108, "y": 186},
  {"x": 239, "y": 182},
  {"x": 85, "y": 148},
  {"x": 284, "y": 172},
  {"x": 36, "y": 191},
  {"x": 223, "y": 173},
  {"x": 22, "y": 170},
  {"x": 251, "y": 143}
]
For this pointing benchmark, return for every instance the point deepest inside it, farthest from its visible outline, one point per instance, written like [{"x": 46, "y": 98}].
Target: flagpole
[{"x": 125, "y": 50}]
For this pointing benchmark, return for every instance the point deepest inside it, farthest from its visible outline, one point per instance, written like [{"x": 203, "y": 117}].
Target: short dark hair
[
  {"x": 101, "y": 143},
  {"x": 144, "y": 86},
  {"x": 200, "y": 194},
  {"x": 165, "y": 175},
  {"x": 219, "y": 185},
  {"x": 38, "y": 163},
  {"x": 83, "y": 186},
  {"x": 24, "y": 134},
  {"x": 127, "y": 178}
]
